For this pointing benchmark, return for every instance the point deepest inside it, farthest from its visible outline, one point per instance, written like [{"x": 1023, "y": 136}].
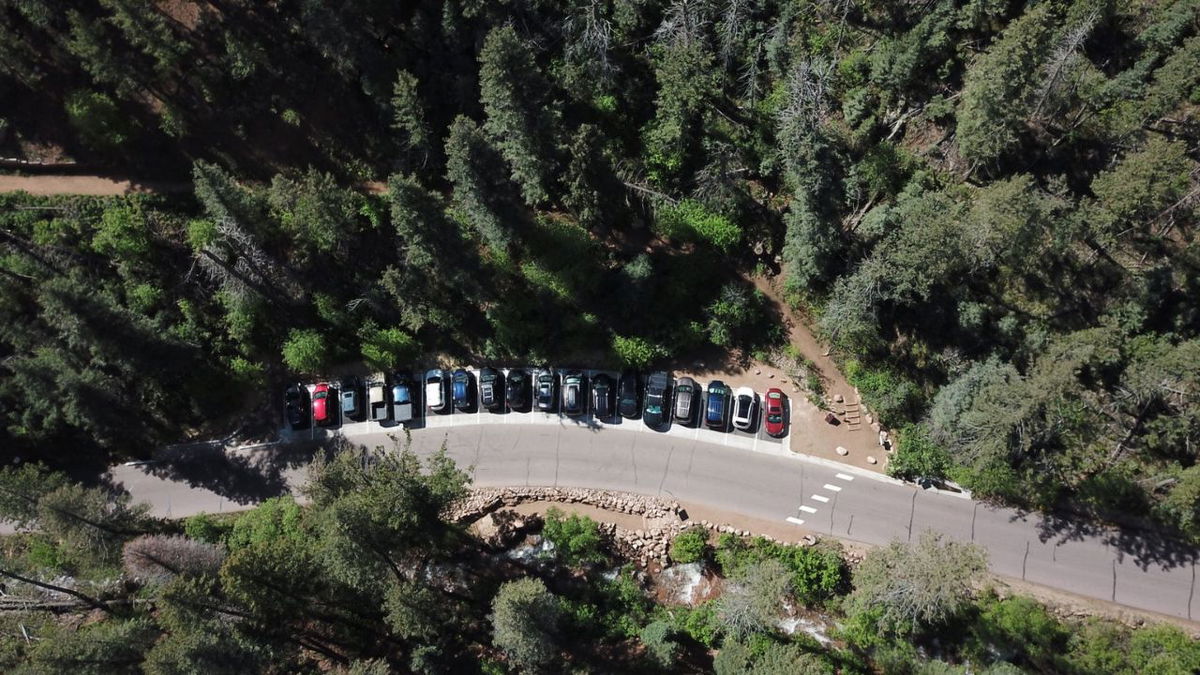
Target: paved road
[{"x": 1109, "y": 565}]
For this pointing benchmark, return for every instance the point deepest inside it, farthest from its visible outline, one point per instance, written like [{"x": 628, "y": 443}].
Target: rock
[
  {"x": 758, "y": 371},
  {"x": 870, "y": 420},
  {"x": 838, "y": 398},
  {"x": 771, "y": 376},
  {"x": 871, "y": 460},
  {"x": 842, "y": 451}
]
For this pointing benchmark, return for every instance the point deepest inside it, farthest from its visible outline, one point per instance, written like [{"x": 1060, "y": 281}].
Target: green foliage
[
  {"x": 635, "y": 352},
  {"x": 98, "y": 120},
  {"x": 661, "y": 648},
  {"x": 894, "y": 398},
  {"x": 276, "y": 518},
  {"x": 386, "y": 348},
  {"x": 306, "y": 351},
  {"x": 576, "y": 538},
  {"x": 817, "y": 572},
  {"x": 700, "y": 623},
  {"x": 525, "y": 617},
  {"x": 208, "y": 528},
  {"x": 689, "y": 546},
  {"x": 1000, "y": 88},
  {"x": 691, "y": 221},
  {"x": 906, "y": 588},
  {"x": 917, "y": 455}
]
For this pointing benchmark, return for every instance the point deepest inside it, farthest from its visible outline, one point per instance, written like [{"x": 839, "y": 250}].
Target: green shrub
[
  {"x": 635, "y": 352},
  {"x": 207, "y": 528},
  {"x": 305, "y": 351},
  {"x": 690, "y": 221},
  {"x": 386, "y": 348},
  {"x": 817, "y": 572},
  {"x": 690, "y": 546},
  {"x": 917, "y": 455},
  {"x": 576, "y": 538},
  {"x": 276, "y": 518},
  {"x": 701, "y": 623},
  {"x": 894, "y": 398},
  {"x": 661, "y": 648},
  {"x": 97, "y": 120}
]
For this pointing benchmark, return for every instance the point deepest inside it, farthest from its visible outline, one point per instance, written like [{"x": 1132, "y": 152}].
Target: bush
[
  {"x": 305, "y": 351},
  {"x": 276, "y": 518},
  {"x": 576, "y": 538},
  {"x": 207, "y": 528},
  {"x": 635, "y": 352},
  {"x": 525, "y": 617},
  {"x": 661, "y": 648},
  {"x": 690, "y": 546},
  {"x": 690, "y": 221},
  {"x": 895, "y": 399},
  {"x": 386, "y": 348},
  {"x": 699, "y": 623},
  {"x": 918, "y": 455},
  {"x": 817, "y": 572}
]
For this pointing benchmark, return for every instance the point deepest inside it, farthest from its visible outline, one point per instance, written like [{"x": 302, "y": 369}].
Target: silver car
[{"x": 685, "y": 393}]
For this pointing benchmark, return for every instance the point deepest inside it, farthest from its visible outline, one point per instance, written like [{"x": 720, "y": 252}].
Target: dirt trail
[
  {"x": 809, "y": 433},
  {"x": 100, "y": 186}
]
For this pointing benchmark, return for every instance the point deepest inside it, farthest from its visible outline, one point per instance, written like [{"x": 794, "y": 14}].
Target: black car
[
  {"x": 716, "y": 404},
  {"x": 547, "y": 388},
  {"x": 658, "y": 396},
  {"x": 516, "y": 388},
  {"x": 491, "y": 389},
  {"x": 352, "y": 398},
  {"x": 295, "y": 405},
  {"x": 461, "y": 387},
  {"x": 574, "y": 393},
  {"x": 602, "y": 396},
  {"x": 629, "y": 404}
]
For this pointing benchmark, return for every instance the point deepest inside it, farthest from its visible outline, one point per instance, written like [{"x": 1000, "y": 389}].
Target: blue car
[
  {"x": 716, "y": 404},
  {"x": 462, "y": 389}
]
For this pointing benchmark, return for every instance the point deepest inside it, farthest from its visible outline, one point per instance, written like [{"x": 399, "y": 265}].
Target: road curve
[{"x": 1136, "y": 570}]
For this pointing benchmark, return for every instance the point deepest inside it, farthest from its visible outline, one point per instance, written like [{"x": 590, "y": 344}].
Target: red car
[
  {"x": 774, "y": 405},
  {"x": 321, "y": 411}
]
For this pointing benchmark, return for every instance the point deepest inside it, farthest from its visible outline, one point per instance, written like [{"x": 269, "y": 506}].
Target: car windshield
[
  {"x": 320, "y": 395},
  {"x": 775, "y": 419},
  {"x": 654, "y": 410},
  {"x": 401, "y": 394}
]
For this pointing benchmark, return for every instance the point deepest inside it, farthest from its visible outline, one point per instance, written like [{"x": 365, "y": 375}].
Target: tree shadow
[
  {"x": 239, "y": 475},
  {"x": 1144, "y": 546}
]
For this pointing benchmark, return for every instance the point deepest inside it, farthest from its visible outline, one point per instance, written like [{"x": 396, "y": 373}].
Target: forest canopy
[{"x": 988, "y": 207}]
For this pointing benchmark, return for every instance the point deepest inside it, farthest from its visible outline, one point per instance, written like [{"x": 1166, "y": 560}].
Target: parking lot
[{"x": 754, "y": 439}]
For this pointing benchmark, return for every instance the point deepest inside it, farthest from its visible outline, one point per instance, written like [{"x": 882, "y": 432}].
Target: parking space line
[
  {"x": 835, "y": 488},
  {"x": 821, "y": 498},
  {"x": 794, "y": 520},
  {"x": 808, "y": 509},
  {"x": 844, "y": 477}
]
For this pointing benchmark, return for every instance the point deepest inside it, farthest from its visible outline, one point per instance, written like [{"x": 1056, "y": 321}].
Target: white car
[
  {"x": 435, "y": 390},
  {"x": 745, "y": 408}
]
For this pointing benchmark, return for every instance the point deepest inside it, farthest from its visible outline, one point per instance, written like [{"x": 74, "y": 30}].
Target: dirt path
[
  {"x": 100, "y": 186},
  {"x": 808, "y": 433}
]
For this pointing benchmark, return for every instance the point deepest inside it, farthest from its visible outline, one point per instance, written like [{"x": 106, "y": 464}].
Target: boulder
[
  {"x": 871, "y": 460},
  {"x": 842, "y": 451},
  {"x": 838, "y": 398}
]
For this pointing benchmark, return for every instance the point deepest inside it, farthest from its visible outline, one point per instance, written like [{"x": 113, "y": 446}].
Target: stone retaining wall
[{"x": 664, "y": 518}]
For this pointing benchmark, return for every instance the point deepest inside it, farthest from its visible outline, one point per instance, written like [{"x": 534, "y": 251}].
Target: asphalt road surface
[{"x": 1136, "y": 570}]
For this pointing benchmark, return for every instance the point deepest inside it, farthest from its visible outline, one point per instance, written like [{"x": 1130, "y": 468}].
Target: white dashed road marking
[
  {"x": 844, "y": 476},
  {"x": 835, "y": 488},
  {"x": 821, "y": 498},
  {"x": 808, "y": 509},
  {"x": 794, "y": 520}
]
